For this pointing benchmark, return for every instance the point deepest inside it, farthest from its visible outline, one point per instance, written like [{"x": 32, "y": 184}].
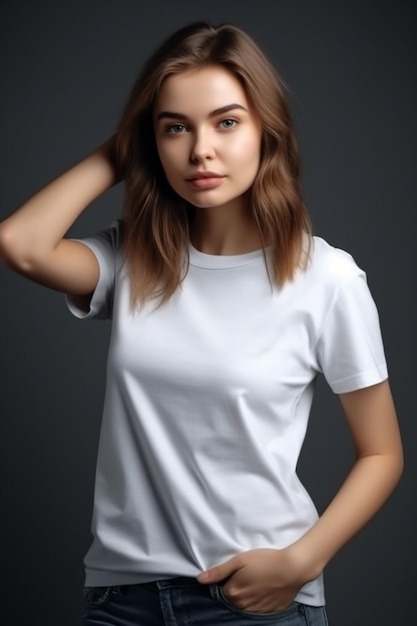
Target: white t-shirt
[{"x": 207, "y": 403}]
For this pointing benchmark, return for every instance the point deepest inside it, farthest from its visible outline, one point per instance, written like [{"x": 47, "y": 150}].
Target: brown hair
[{"x": 156, "y": 219}]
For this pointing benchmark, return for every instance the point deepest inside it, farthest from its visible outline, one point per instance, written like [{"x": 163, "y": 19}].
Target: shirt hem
[{"x": 104, "y": 578}]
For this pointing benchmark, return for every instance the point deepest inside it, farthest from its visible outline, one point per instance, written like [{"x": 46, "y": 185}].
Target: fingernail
[{"x": 203, "y": 577}]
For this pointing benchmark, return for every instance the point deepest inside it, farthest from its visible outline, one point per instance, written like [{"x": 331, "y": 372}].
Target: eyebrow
[{"x": 182, "y": 116}]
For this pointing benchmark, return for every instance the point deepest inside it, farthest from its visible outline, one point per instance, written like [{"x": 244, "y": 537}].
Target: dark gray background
[{"x": 66, "y": 70}]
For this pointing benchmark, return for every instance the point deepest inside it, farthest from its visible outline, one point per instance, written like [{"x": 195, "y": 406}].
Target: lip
[
  {"x": 204, "y": 174},
  {"x": 205, "y": 180}
]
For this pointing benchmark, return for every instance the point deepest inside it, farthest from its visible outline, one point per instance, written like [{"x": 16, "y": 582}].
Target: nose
[{"x": 202, "y": 148}]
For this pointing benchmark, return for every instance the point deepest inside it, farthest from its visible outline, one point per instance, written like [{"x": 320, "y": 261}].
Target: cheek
[
  {"x": 170, "y": 155},
  {"x": 171, "y": 166},
  {"x": 248, "y": 149},
  {"x": 249, "y": 161},
  {"x": 165, "y": 160}
]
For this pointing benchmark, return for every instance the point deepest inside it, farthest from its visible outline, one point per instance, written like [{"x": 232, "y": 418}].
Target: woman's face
[{"x": 208, "y": 137}]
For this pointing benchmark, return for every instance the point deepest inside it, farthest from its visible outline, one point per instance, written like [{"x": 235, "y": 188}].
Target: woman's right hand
[{"x": 32, "y": 239}]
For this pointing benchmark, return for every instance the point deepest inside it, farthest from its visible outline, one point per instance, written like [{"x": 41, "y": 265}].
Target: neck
[{"x": 215, "y": 230}]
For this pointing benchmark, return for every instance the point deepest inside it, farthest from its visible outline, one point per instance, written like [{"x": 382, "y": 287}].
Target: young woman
[{"x": 224, "y": 310}]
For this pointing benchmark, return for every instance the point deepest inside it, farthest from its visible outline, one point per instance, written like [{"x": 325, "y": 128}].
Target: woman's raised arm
[{"x": 32, "y": 238}]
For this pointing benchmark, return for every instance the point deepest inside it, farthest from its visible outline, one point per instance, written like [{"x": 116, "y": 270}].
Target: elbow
[
  {"x": 12, "y": 252},
  {"x": 6, "y": 244},
  {"x": 398, "y": 458},
  {"x": 400, "y": 464},
  {"x": 395, "y": 466}
]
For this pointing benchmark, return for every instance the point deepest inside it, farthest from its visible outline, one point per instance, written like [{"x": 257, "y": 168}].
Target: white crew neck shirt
[{"x": 207, "y": 403}]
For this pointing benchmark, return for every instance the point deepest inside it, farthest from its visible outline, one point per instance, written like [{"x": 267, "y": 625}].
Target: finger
[{"x": 219, "y": 572}]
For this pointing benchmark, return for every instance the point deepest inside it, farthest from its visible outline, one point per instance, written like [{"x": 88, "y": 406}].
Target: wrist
[
  {"x": 306, "y": 560},
  {"x": 107, "y": 154}
]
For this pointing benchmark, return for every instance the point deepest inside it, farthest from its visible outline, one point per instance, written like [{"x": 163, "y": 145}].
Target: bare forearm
[
  {"x": 365, "y": 490},
  {"x": 39, "y": 224}
]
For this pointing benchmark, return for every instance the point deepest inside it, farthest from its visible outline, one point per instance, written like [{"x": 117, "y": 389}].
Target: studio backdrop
[{"x": 66, "y": 71}]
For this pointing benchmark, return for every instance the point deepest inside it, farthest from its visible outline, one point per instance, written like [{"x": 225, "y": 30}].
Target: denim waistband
[{"x": 178, "y": 581}]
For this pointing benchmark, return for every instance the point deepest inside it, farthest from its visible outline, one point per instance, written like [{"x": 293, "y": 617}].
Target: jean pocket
[
  {"x": 95, "y": 597},
  {"x": 292, "y": 611}
]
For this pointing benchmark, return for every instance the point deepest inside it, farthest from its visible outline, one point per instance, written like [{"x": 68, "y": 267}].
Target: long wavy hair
[{"x": 156, "y": 220}]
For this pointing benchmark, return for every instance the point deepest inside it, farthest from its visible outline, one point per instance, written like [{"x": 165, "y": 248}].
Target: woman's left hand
[{"x": 262, "y": 580}]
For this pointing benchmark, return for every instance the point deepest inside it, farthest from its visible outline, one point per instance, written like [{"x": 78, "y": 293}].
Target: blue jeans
[{"x": 183, "y": 602}]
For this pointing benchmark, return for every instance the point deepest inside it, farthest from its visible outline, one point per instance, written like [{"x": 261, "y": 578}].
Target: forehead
[{"x": 200, "y": 90}]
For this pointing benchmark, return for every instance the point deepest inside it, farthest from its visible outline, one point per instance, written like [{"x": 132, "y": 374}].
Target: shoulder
[
  {"x": 330, "y": 264},
  {"x": 113, "y": 235},
  {"x": 107, "y": 244}
]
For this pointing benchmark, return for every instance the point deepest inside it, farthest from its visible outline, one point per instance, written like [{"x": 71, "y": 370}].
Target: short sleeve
[
  {"x": 106, "y": 247},
  {"x": 350, "y": 348}
]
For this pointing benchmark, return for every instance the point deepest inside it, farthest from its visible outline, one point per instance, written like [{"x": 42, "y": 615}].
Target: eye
[
  {"x": 176, "y": 129},
  {"x": 228, "y": 123}
]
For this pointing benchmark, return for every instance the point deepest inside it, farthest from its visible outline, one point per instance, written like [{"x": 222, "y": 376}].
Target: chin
[{"x": 205, "y": 205}]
